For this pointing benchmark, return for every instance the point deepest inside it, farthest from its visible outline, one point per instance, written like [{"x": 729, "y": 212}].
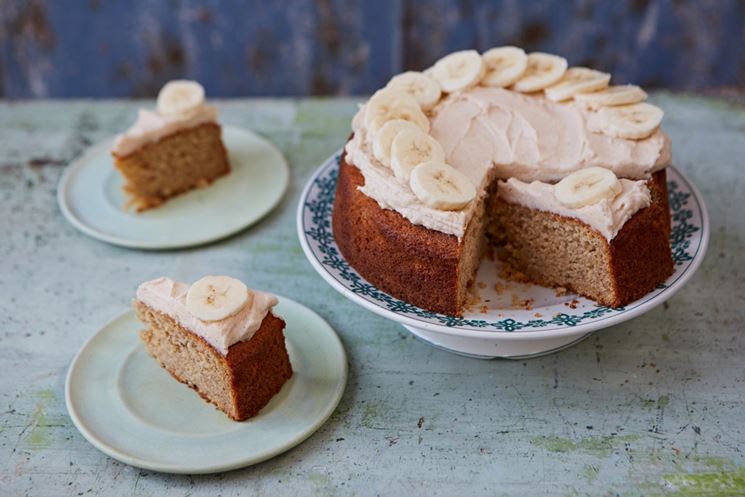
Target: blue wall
[{"x": 76, "y": 48}]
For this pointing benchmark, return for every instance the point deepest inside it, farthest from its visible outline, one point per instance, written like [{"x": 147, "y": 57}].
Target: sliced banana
[
  {"x": 586, "y": 187},
  {"x": 635, "y": 121},
  {"x": 441, "y": 186},
  {"x": 179, "y": 97},
  {"x": 425, "y": 89},
  {"x": 612, "y": 96},
  {"x": 543, "y": 70},
  {"x": 504, "y": 66},
  {"x": 410, "y": 148},
  {"x": 577, "y": 80},
  {"x": 213, "y": 298},
  {"x": 388, "y": 104},
  {"x": 383, "y": 140},
  {"x": 459, "y": 70}
]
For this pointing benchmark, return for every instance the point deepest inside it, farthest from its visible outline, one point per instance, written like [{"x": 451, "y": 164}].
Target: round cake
[{"x": 561, "y": 173}]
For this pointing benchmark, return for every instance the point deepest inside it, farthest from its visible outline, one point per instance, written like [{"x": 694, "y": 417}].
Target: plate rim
[
  {"x": 137, "y": 462},
  {"x": 78, "y": 162},
  {"x": 516, "y": 335}
]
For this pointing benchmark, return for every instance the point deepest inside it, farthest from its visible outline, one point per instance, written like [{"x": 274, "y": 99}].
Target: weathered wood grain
[
  {"x": 335, "y": 47},
  {"x": 651, "y": 407}
]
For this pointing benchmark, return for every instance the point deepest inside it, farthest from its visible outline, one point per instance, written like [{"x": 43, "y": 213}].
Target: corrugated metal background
[{"x": 76, "y": 48}]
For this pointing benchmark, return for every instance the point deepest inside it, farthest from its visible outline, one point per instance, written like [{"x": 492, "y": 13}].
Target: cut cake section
[
  {"x": 240, "y": 383},
  {"x": 557, "y": 251}
]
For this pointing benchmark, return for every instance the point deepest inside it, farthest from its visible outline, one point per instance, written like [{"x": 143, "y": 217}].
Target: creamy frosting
[
  {"x": 151, "y": 127},
  {"x": 607, "y": 216},
  {"x": 392, "y": 193},
  {"x": 488, "y": 132},
  {"x": 530, "y": 138},
  {"x": 169, "y": 297}
]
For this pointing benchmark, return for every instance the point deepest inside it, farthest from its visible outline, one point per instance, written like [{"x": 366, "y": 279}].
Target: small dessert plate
[
  {"x": 507, "y": 319},
  {"x": 131, "y": 409},
  {"x": 90, "y": 197}
]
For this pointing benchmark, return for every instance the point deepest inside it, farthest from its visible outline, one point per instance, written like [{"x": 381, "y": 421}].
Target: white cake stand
[{"x": 512, "y": 320}]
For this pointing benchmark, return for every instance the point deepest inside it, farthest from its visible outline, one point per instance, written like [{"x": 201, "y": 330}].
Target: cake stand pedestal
[{"x": 489, "y": 348}]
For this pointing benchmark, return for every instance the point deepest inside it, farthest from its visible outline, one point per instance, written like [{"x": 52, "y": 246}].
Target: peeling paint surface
[
  {"x": 335, "y": 47},
  {"x": 652, "y": 407}
]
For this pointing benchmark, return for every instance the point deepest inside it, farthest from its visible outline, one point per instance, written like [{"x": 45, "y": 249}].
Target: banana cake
[
  {"x": 563, "y": 174},
  {"x": 174, "y": 149},
  {"x": 218, "y": 337}
]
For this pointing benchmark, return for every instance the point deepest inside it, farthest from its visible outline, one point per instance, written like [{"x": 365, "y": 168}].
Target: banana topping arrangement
[
  {"x": 542, "y": 71},
  {"x": 586, "y": 187},
  {"x": 504, "y": 66},
  {"x": 214, "y": 298},
  {"x": 397, "y": 119},
  {"x": 403, "y": 144},
  {"x": 411, "y": 148},
  {"x": 425, "y": 90},
  {"x": 388, "y": 104},
  {"x": 179, "y": 97}
]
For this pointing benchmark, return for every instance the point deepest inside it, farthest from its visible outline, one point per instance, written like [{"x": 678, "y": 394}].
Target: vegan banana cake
[
  {"x": 562, "y": 173},
  {"x": 218, "y": 337},
  {"x": 174, "y": 149}
]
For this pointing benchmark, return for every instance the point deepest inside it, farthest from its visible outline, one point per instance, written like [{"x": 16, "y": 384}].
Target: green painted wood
[{"x": 651, "y": 407}]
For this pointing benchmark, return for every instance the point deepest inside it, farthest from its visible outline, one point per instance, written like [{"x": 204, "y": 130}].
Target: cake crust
[
  {"x": 239, "y": 383},
  {"x": 426, "y": 267},
  {"x": 408, "y": 261}
]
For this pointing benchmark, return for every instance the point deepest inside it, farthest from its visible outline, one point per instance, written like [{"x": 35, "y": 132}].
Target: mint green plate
[
  {"x": 131, "y": 409},
  {"x": 90, "y": 197}
]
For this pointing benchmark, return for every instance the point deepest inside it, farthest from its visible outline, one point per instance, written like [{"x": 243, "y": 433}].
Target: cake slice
[
  {"x": 219, "y": 338},
  {"x": 174, "y": 149},
  {"x": 613, "y": 250}
]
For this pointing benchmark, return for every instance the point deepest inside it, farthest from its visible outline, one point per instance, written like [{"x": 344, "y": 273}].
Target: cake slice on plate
[
  {"x": 174, "y": 149},
  {"x": 218, "y": 337}
]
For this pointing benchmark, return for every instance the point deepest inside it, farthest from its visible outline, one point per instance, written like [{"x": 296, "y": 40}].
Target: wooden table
[{"x": 654, "y": 406}]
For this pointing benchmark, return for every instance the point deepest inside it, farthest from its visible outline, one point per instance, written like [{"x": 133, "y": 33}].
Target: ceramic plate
[
  {"x": 90, "y": 197},
  {"x": 131, "y": 409},
  {"x": 509, "y": 319}
]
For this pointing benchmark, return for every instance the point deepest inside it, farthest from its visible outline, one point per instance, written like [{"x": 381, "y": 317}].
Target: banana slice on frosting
[
  {"x": 504, "y": 66},
  {"x": 543, "y": 71},
  {"x": 381, "y": 144},
  {"x": 388, "y": 104},
  {"x": 577, "y": 80},
  {"x": 635, "y": 121},
  {"x": 214, "y": 298},
  {"x": 178, "y": 97},
  {"x": 586, "y": 187},
  {"x": 612, "y": 96},
  {"x": 423, "y": 88},
  {"x": 459, "y": 70},
  {"x": 441, "y": 186},
  {"x": 410, "y": 148}
]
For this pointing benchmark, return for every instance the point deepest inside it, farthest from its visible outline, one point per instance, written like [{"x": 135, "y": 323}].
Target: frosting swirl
[{"x": 530, "y": 138}]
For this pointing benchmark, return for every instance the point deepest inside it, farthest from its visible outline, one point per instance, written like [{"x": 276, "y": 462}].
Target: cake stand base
[{"x": 491, "y": 348}]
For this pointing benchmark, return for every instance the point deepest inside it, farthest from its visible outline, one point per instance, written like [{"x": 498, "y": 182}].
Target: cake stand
[{"x": 505, "y": 319}]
